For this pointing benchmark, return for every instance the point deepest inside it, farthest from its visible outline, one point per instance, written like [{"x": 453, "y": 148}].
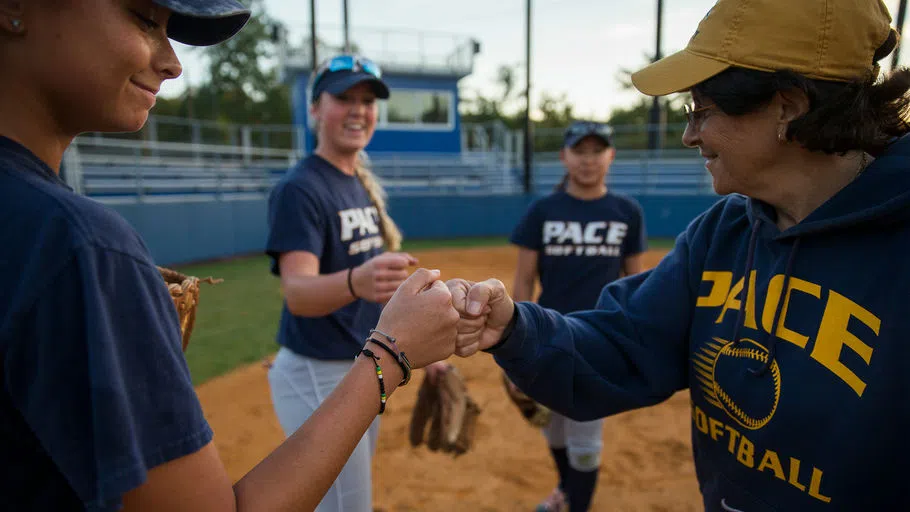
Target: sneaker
[{"x": 555, "y": 502}]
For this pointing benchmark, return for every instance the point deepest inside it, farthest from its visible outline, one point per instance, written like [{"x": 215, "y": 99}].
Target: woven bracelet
[{"x": 399, "y": 358}]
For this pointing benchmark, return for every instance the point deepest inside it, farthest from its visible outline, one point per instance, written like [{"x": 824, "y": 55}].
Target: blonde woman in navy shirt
[
  {"x": 97, "y": 409},
  {"x": 575, "y": 241},
  {"x": 334, "y": 247}
]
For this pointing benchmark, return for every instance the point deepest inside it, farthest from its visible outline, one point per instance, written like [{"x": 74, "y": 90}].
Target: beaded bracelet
[
  {"x": 399, "y": 357},
  {"x": 382, "y": 396}
]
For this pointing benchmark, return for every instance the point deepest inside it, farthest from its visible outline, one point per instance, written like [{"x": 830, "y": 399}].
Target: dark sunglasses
[{"x": 347, "y": 63}]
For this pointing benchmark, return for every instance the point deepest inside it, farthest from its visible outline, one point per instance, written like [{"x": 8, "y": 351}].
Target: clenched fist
[
  {"x": 378, "y": 278},
  {"x": 420, "y": 315},
  {"x": 485, "y": 309}
]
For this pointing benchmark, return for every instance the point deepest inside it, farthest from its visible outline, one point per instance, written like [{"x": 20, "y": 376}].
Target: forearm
[
  {"x": 588, "y": 365},
  {"x": 523, "y": 290},
  {"x": 313, "y": 296},
  {"x": 299, "y": 472}
]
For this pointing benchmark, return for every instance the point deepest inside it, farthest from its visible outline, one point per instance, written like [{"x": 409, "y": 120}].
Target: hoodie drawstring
[
  {"x": 772, "y": 341},
  {"x": 750, "y": 260}
]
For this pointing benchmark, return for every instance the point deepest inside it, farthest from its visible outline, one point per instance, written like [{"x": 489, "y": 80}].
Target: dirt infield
[{"x": 647, "y": 462}]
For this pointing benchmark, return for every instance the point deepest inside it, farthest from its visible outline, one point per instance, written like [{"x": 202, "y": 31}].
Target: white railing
[
  {"x": 152, "y": 167},
  {"x": 400, "y": 50}
]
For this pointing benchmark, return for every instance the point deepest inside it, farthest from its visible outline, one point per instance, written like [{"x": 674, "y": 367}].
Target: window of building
[{"x": 421, "y": 109}]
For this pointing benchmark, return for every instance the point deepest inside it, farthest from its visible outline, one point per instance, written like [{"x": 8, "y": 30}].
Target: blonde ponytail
[{"x": 390, "y": 232}]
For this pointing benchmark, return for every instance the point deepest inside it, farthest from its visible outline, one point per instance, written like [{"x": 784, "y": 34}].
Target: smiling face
[
  {"x": 91, "y": 65},
  {"x": 346, "y": 121},
  {"x": 739, "y": 150}
]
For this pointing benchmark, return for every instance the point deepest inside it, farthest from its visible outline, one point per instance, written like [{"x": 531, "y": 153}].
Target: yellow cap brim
[{"x": 676, "y": 73}]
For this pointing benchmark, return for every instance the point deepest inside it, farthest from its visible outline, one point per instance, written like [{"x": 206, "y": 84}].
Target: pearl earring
[{"x": 16, "y": 23}]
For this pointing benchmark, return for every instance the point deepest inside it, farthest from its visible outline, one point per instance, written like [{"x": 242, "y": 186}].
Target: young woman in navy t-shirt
[
  {"x": 97, "y": 408},
  {"x": 575, "y": 241}
]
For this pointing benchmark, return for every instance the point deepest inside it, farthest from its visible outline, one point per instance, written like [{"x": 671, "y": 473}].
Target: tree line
[{"x": 242, "y": 86}]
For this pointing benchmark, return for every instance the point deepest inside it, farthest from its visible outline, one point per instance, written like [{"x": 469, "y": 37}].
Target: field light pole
[
  {"x": 655, "y": 131},
  {"x": 529, "y": 138},
  {"x": 314, "y": 58},
  {"x": 347, "y": 39}
]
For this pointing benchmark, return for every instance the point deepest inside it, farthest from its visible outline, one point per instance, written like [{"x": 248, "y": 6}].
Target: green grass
[
  {"x": 661, "y": 243},
  {"x": 237, "y": 319},
  {"x": 434, "y": 243}
]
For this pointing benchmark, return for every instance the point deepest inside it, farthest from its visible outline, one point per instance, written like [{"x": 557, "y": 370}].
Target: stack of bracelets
[{"x": 396, "y": 354}]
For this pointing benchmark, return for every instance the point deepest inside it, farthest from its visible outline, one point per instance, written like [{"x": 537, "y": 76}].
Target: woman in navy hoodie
[{"x": 783, "y": 308}]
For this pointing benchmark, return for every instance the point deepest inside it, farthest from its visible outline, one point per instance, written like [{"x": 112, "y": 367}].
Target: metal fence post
[{"x": 246, "y": 135}]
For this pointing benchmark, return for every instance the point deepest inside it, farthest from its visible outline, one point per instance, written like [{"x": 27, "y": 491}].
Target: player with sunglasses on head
[
  {"x": 575, "y": 241},
  {"x": 97, "y": 408},
  {"x": 334, "y": 247}
]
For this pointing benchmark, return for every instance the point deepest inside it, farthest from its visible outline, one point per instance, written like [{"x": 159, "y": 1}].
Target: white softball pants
[
  {"x": 583, "y": 440},
  {"x": 299, "y": 385}
]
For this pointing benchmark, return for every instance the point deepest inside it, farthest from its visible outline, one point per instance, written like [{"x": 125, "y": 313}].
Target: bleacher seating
[{"x": 400, "y": 174}]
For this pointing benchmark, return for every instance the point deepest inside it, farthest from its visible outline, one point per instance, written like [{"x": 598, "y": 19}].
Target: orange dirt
[{"x": 647, "y": 460}]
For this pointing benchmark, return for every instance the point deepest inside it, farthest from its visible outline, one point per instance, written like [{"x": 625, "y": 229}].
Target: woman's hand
[
  {"x": 485, "y": 309},
  {"x": 377, "y": 279},
  {"x": 420, "y": 315}
]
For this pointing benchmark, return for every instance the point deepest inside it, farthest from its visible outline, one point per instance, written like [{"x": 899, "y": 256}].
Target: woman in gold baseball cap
[{"x": 781, "y": 309}]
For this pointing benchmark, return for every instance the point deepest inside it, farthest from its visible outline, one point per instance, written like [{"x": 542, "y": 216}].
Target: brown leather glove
[
  {"x": 184, "y": 292},
  {"x": 451, "y": 412}
]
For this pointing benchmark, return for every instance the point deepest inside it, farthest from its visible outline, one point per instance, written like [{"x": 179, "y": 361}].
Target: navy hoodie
[{"x": 794, "y": 346}]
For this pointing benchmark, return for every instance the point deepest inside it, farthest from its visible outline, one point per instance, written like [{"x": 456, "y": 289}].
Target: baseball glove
[
  {"x": 450, "y": 411},
  {"x": 536, "y": 414},
  {"x": 184, "y": 292}
]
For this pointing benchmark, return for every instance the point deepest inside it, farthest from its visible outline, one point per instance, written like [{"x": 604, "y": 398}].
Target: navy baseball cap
[
  {"x": 204, "y": 22},
  {"x": 340, "y": 73},
  {"x": 581, "y": 129}
]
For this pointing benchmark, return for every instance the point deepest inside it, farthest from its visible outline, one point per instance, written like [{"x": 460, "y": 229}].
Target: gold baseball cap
[{"x": 837, "y": 40}]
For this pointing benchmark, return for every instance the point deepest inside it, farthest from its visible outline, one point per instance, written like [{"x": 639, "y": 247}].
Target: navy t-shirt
[
  {"x": 581, "y": 245},
  {"x": 95, "y": 389},
  {"x": 321, "y": 210}
]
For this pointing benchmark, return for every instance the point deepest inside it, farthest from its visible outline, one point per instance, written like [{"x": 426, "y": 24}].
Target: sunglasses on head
[
  {"x": 347, "y": 63},
  {"x": 601, "y": 129}
]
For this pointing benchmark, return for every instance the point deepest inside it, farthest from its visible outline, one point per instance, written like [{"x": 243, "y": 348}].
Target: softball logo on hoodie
[{"x": 742, "y": 380}]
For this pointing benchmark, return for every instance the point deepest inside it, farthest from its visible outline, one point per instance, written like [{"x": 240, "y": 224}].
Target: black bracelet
[
  {"x": 399, "y": 357},
  {"x": 506, "y": 332},
  {"x": 382, "y": 396},
  {"x": 351, "y": 284}
]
